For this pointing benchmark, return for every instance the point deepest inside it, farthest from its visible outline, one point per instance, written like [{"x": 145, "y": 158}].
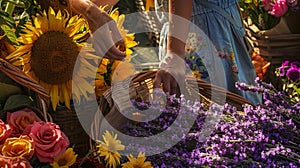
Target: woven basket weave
[
  {"x": 140, "y": 89},
  {"x": 68, "y": 120},
  {"x": 41, "y": 96}
]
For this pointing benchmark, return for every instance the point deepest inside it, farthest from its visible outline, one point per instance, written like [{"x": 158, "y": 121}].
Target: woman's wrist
[{"x": 176, "y": 46}]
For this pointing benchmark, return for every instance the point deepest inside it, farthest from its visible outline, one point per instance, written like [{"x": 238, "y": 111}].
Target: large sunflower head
[
  {"x": 109, "y": 149},
  {"x": 50, "y": 46}
]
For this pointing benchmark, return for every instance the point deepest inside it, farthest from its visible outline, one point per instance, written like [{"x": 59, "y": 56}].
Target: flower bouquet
[
  {"x": 266, "y": 14},
  {"x": 27, "y": 141}
]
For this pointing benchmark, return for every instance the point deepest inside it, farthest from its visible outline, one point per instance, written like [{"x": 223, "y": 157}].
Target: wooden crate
[{"x": 274, "y": 45}]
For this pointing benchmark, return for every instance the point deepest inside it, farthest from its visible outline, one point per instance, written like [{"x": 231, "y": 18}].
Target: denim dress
[{"x": 220, "y": 21}]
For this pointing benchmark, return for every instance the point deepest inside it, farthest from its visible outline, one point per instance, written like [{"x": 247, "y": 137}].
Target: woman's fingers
[
  {"x": 105, "y": 32},
  {"x": 167, "y": 81},
  {"x": 114, "y": 53}
]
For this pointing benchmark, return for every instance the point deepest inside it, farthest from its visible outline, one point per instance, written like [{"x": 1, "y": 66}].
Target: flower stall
[
  {"x": 42, "y": 40},
  {"x": 272, "y": 29}
]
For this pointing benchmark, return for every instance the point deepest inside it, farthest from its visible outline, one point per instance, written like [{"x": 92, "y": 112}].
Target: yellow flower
[
  {"x": 128, "y": 38},
  {"x": 18, "y": 147},
  {"x": 124, "y": 70},
  {"x": 50, "y": 47},
  {"x": 138, "y": 162},
  {"x": 106, "y": 70},
  {"x": 65, "y": 160},
  {"x": 109, "y": 149},
  {"x": 196, "y": 74},
  {"x": 101, "y": 87}
]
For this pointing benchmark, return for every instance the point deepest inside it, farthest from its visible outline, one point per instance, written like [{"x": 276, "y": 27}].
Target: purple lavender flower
[{"x": 293, "y": 74}]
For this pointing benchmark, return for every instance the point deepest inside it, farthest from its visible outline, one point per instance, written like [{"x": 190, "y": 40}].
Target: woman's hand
[
  {"x": 104, "y": 29},
  {"x": 171, "y": 73}
]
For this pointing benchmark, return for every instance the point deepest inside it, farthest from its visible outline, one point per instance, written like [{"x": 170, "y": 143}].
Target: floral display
[
  {"x": 139, "y": 161},
  {"x": 49, "y": 140},
  {"x": 109, "y": 149},
  {"x": 39, "y": 143},
  {"x": 14, "y": 162},
  {"x": 265, "y": 14},
  {"x": 46, "y": 44},
  {"x": 50, "y": 46},
  {"x": 67, "y": 159},
  {"x": 289, "y": 72},
  {"x": 106, "y": 154},
  {"x": 18, "y": 147},
  {"x": 262, "y": 136},
  {"x": 5, "y": 131},
  {"x": 20, "y": 119}
]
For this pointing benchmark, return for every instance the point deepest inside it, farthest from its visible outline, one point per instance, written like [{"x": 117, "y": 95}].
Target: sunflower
[
  {"x": 50, "y": 47},
  {"x": 138, "y": 162},
  {"x": 107, "y": 68},
  {"x": 127, "y": 37},
  {"x": 109, "y": 149},
  {"x": 65, "y": 160}
]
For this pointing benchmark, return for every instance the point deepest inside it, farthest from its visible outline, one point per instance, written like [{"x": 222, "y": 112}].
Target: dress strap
[{"x": 219, "y": 10}]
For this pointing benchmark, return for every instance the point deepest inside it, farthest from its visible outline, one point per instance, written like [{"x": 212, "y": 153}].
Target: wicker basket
[
  {"x": 35, "y": 90},
  {"x": 140, "y": 88},
  {"x": 68, "y": 120}
]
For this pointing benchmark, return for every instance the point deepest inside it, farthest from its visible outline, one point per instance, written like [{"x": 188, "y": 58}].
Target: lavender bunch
[
  {"x": 257, "y": 137},
  {"x": 264, "y": 136}
]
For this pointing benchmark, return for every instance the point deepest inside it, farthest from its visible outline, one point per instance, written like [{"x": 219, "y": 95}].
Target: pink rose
[
  {"x": 49, "y": 140},
  {"x": 5, "y": 131},
  {"x": 19, "y": 120},
  {"x": 267, "y": 4},
  {"x": 279, "y": 8},
  {"x": 10, "y": 162}
]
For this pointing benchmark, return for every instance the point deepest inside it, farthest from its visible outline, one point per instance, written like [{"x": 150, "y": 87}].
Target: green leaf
[
  {"x": 297, "y": 90},
  {"x": 10, "y": 35},
  {"x": 248, "y": 1},
  {"x": 21, "y": 24},
  {"x": 5, "y": 18}
]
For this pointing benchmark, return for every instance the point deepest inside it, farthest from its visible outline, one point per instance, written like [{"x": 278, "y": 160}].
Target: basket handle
[{"x": 18, "y": 76}]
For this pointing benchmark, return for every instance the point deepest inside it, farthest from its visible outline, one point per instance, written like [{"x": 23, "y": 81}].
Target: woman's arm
[
  {"x": 110, "y": 3},
  {"x": 179, "y": 12},
  {"x": 172, "y": 67}
]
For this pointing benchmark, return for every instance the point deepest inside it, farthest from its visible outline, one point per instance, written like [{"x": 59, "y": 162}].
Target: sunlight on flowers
[
  {"x": 65, "y": 160},
  {"x": 50, "y": 47},
  {"x": 18, "y": 147},
  {"x": 109, "y": 149},
  {"x": 138, "y": 162}
]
